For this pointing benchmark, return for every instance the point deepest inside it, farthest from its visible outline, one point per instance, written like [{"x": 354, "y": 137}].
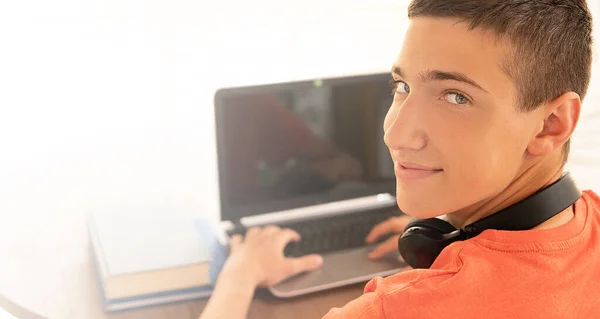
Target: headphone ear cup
[{"x": 424, "y": 240}]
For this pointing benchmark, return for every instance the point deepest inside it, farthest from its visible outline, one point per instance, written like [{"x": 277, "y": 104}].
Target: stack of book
[{"x": 151, "y": 260}]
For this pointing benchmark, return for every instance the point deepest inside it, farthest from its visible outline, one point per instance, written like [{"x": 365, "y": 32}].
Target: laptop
[{"x": 309, "y": 155}]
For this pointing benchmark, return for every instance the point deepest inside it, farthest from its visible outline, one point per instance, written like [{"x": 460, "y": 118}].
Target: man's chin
[{"x": 420, "y": 209}]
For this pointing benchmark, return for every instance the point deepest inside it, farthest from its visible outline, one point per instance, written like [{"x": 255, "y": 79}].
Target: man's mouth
[
  {"x": 409, "y": 165},
  {"x": 414, "y": 171}
]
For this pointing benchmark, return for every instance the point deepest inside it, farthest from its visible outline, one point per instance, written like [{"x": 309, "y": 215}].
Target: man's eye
[
  {"x": 457, "y": 98},
  {"x": 401, "y": 87}
]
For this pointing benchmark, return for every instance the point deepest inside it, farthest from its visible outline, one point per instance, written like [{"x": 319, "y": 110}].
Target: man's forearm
[{"x": 231, "y": 297}]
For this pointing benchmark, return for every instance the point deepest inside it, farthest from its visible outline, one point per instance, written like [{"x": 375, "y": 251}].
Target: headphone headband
[{"x": 531, "y": 211}]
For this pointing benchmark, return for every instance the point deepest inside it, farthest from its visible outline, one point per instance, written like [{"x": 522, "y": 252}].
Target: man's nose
[{"x": 404, "y": 126}]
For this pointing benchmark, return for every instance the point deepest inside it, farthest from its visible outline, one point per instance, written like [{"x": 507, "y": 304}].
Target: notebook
[{"x": 149, "y": 260}]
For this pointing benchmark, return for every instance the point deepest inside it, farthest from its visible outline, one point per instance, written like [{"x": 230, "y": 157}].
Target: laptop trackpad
[{"x": 340, "y": 269}]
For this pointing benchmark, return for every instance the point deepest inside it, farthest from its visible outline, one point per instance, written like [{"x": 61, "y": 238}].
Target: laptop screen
[{"x": 291, "y": 145}]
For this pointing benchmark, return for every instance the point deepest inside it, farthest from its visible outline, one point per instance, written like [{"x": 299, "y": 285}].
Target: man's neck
[{"x": 538, "y": 176}]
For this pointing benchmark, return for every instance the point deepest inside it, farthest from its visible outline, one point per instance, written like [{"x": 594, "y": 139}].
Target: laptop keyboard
[{"x": 334, "y": 233}]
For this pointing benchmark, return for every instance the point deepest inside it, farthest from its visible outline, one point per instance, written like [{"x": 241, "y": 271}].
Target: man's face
[{"x": 453, "y": 130}]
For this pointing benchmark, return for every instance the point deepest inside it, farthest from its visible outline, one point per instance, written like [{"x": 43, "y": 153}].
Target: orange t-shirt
[{"x": 551, "y": 273}]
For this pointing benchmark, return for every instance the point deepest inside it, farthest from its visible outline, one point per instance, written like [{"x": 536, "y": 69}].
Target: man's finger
[
  {"x": 391, "y": 244},
  {"x": 391, "y": 225},
  {"x": 305, "y": 263},
  {"x": 270, "y": 229},
  {"x": 252, "y": 231},
  {"x": 286, "y": 235},
  {"x": 235, "y": 242}
]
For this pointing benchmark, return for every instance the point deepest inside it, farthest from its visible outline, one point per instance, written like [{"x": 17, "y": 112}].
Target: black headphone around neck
[{"x": 424, "y": 239}]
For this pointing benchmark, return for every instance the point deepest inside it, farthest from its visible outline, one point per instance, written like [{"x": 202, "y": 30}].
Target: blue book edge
[{"x": 218, "y": 251}]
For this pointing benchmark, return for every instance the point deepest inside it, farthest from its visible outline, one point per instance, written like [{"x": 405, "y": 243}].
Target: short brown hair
[{"x": 551, "y": 41}]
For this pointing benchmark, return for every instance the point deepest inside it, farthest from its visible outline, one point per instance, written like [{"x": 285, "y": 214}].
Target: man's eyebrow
[
  {"x": 398, "y": 71},
  {"x": 437, "y": 75}
]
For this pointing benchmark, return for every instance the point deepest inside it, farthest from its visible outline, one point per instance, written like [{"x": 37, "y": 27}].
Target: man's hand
[
  {"x": 394, "y": 225},
  {"x": 260, "y": 257}
]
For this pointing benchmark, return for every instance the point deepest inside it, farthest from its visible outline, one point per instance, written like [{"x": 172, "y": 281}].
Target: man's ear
[{"x": 560, "y": 117}]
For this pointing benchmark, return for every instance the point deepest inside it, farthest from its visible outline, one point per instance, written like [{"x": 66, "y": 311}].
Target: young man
[{"x": 487, "y": 95}]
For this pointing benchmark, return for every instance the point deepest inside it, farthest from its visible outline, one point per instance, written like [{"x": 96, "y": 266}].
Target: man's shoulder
[
  {"x": 589, "y": 205},
  {"x": 504, "y": 265},
  {"x": 444, "y": 275},
  {"x": 591, "y": 197}
]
